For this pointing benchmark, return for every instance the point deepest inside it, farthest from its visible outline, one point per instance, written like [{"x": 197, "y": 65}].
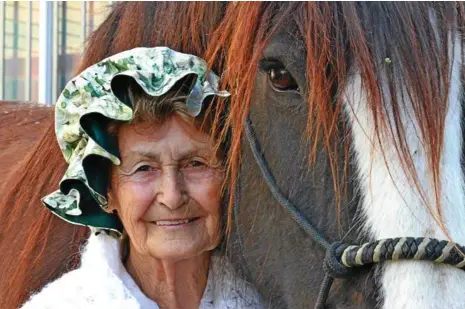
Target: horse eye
[
  {"x": 282, "y": 80},
  {"x": 279, "y": 77}
]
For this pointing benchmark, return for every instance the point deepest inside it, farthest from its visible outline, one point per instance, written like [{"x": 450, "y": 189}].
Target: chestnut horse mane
[{"x": 36, "y": 247}]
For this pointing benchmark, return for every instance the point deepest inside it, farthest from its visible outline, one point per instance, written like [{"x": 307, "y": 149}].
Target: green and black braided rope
[{"x": 394, "y": 249}]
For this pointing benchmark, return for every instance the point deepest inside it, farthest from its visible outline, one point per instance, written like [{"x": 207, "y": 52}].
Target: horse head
[{"x": 350, "y": 114}]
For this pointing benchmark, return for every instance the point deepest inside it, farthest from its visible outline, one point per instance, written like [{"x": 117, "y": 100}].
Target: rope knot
[{"x": 332, "y": 264}]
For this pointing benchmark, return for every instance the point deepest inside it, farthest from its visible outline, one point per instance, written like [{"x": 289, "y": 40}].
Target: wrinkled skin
[{"x": 284, "y": 262}]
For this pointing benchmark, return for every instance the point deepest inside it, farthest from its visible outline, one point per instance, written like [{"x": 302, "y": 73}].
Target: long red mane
[{"x": 35, "y": 247}]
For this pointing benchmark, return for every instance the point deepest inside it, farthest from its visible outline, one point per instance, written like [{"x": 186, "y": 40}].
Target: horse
[
  {"x": 21, "y": 124},
  {"x": 344, "y": 125}
]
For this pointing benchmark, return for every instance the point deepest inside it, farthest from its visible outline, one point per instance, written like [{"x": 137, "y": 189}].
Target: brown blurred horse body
[
  {"x": 21, "y": 124},
  {"x": 22, "y": 129}
]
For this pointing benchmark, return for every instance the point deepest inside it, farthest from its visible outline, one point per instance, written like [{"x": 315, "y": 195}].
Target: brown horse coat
[{"x": 21, "y": 124}]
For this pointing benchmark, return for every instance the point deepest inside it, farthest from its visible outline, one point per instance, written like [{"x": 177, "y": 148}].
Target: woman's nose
[{"x": 172, "y": 193}]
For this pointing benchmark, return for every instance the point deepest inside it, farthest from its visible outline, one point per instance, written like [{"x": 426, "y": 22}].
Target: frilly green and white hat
[{"x": 94, "y": 98}]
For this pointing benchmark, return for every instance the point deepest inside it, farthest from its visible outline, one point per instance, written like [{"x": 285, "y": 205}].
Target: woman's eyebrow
[
  {"x": 179, "y": 154},
  {"x": 140, "y": 153},
  {"x": 189, "y": 153}
]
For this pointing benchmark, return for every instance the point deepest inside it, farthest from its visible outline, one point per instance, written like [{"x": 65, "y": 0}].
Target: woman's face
[{"x": 167, "y": 189}]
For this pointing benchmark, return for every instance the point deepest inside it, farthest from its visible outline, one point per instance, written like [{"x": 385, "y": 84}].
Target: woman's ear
[
  {"x": 110, "y": 209},
  {"x": 112, "y": 204}
]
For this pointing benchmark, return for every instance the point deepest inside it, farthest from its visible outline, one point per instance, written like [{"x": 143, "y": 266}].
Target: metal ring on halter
[{"x": 342, "y": 258}]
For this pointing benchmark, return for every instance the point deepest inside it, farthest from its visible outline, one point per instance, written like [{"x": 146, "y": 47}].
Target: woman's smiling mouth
[{"x": 175, "y": 222}]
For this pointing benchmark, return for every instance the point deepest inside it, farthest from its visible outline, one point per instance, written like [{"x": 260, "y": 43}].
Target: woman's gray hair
[{"x": 156, "y": 110}]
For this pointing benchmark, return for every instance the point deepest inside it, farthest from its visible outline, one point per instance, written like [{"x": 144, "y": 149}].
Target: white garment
[{"x": 102, "y": 282}]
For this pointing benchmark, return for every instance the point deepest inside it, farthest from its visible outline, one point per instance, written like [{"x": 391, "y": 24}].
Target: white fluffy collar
[{"x": 102, "y": 282}]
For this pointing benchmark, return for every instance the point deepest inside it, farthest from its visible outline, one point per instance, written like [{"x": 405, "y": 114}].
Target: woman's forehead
[{"x": 173, "y": 136}]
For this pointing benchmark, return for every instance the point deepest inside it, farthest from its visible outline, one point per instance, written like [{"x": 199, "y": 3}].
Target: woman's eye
[
  {"x": 279, "y": 77},
  {"x": 195, "y": 163},
  {"x": 144, "y": 168}
]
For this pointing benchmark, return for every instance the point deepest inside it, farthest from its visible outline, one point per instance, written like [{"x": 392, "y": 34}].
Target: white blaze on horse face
[{"x": 392, "y": 206}]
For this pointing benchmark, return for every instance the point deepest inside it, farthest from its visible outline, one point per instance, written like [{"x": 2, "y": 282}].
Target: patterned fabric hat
[{"x": 100, "y": 95}]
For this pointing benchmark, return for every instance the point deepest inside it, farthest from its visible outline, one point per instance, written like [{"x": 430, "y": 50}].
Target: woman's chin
[{"x": 177, "y": 252}]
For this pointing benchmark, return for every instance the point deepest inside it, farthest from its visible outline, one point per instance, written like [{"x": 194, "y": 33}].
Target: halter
[{"x": 341, "y": 258}]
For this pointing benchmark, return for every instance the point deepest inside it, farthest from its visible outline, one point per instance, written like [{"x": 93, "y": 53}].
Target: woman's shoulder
[
  {"x": 79, "y": 289},
  {"x": 95, "y": 284}
]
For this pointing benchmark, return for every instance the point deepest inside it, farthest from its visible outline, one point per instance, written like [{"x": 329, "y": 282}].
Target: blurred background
[{"x": 41, "y": 43}]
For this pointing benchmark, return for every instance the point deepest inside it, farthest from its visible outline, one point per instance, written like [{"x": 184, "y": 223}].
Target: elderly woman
[{"x": 144, "y": 174}]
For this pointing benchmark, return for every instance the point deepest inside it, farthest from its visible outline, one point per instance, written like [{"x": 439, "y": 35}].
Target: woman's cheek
[
  {"x": 138, "y": 197},
  {"x": 207, "y": 194}
]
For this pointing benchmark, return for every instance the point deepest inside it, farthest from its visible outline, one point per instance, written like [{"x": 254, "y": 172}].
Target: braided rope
[{"x": 402, "y": 248}]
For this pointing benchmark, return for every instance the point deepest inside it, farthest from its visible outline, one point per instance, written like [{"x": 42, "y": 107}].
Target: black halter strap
[{"x": 342, "y": 258}]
